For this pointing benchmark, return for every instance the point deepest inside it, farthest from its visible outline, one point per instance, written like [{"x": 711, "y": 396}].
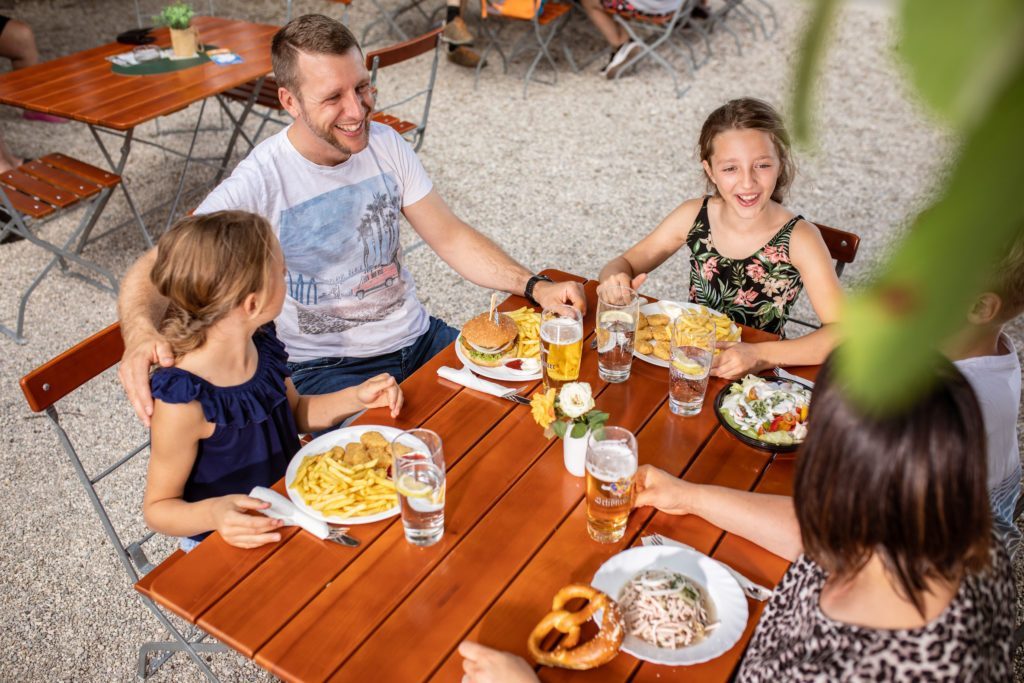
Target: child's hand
[
  {"x": 381, "y": 391},
  {"x": 242, "y": 530},
  {"x": 482, "y": 664},
  {"x": 623, "y": 280},
  {"x": 736, "y": 360}
]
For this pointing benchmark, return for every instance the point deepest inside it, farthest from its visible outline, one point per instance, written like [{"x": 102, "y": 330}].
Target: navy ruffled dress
[{"x": 255, "y": 437}]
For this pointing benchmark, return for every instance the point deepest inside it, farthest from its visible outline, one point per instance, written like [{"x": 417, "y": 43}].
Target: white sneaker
[{"x": 621, "y": 58}]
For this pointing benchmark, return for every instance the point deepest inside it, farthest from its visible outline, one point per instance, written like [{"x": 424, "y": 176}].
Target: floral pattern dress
[{"x": 757, "y": 291}]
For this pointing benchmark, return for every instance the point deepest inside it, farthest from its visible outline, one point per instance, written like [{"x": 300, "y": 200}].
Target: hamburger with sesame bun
[{"x": 488, "y": 343}]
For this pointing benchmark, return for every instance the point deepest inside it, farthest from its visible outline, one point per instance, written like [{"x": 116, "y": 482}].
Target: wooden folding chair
[
  {"x": 44, "y": 387},
  {"x": 544, "y": 27},
  {"x": 654, "y": 31},
  {"x": 413, "y": 131},
  {"x": 39, "y": 191},
  {"x": 842, "y": 246}
]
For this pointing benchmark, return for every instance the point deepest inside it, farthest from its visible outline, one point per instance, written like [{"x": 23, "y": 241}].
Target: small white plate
[
  {"x": 498, "y": 372},
  {"x": 671, "y": 308},
  {"x": 324, "y": 443},
  {"x": 730, "y": 606}
]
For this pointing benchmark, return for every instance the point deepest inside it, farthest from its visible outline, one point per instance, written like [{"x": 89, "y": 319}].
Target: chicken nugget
[
  {"x": 645, "y": 347},
  {"x": 355, "y": 454},
  {"x": 641, "y": 322},
  {"x": 662, "y": 333},
  {"x": 645, "y": 334},
  {"x": 382, "y": 454},
  {"x": 371, "y": 439},
  {"x": 658, "y": 320},
  {"x": 398, "y": 449},
  {"x": 662, "y": 350}
]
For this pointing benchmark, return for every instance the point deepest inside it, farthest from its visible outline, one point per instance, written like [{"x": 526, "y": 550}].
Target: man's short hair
[{"x": 313, "y": 34}]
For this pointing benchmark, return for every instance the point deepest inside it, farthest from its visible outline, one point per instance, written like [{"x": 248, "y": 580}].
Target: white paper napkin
[{"x": 471, "y": 381}]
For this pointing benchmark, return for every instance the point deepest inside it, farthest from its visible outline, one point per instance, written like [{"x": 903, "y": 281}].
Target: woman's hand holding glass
[{"x": 658, "y": 489}]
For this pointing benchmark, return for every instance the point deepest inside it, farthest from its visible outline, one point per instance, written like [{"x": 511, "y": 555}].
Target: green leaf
[
  {"x": 579, "y": 429},
  {"x": 953, "y": 248},
  {"x": 812, "y": 52},
  {"x": 558, "y": 427},
  {"x": 960, "y": 56}
]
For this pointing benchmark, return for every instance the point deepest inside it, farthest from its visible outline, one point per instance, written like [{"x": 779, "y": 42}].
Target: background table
[
  {"x": 515, "y": 532},
  {"x": 83, "y": 88}
]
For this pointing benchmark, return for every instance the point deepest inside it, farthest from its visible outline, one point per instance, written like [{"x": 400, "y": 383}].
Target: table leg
[
  {"x": 238, "y": 127},
  {"x": 118, "y": 168}
]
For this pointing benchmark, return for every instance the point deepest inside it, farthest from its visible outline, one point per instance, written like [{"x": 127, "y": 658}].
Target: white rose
[{"x": 575, "y": 399}]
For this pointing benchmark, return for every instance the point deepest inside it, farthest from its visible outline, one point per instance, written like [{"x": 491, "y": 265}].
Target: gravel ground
[{"x": 598, "y": 161}]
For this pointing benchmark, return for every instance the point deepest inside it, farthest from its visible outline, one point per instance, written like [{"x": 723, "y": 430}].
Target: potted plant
[
  {"x": 178, "y": 18},
  {"x": 569, "y": 414}
]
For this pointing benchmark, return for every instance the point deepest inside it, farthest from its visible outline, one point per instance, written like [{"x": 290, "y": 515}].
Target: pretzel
[{"x": 568, "y": 654}]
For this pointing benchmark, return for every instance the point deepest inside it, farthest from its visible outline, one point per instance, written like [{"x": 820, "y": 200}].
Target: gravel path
[{"x": 565, "y": 178}]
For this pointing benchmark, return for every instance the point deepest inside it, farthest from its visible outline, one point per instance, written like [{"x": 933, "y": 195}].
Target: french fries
[
  {"x": 333, "y": 485},
  {"x": 528, "y": 324},
  {"x": 654, "y": 331}
]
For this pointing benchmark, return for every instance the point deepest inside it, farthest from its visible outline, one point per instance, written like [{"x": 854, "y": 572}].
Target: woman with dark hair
[{"x": 896, "y": 573}]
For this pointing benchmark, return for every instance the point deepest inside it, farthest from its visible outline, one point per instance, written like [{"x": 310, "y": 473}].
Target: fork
[{"x": 750, "y": 589}]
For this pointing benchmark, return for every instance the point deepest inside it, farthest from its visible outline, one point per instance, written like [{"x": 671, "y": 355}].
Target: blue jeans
[{"x": 324, "y": 375}]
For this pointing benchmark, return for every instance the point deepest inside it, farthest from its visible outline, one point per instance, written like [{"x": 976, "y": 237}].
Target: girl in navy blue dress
[{"x": 226, "y": 417}]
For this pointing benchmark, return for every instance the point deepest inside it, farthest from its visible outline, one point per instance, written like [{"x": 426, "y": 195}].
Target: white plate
[
  {"x": 660, "y": 307},
  {"x": 730, "y": 607},
  {"x": 321, "y": 444},
  {"x": 499, "y": 372}
]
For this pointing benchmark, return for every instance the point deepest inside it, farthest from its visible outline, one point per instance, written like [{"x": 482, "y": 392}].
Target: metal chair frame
[
  {"x": 542, "y": 34},
  {"x": 658, "y": 34},
  {"x": 44, "y": 387},
  {"x": 377, "y": 60}
]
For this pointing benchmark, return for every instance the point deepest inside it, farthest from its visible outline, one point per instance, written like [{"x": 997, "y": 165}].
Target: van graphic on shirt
[{"x": 343, "y": 256}]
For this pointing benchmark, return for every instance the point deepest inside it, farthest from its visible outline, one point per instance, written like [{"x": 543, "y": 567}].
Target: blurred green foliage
[{"x": 965, "y": 61}]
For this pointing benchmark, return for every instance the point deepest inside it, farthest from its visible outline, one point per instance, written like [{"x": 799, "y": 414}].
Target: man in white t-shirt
[
  {"x": 988, "y": 359},
  {"x": 332, "y": 184}
]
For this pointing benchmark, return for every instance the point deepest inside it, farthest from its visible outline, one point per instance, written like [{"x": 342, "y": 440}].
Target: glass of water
[
  {"x": 618, "y": 309},
  {"x": 693, "y": 347},
  {"x": 419, "y": 480}
]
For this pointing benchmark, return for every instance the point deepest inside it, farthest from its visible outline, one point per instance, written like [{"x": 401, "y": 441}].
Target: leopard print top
[{"x": 970, "y": 641}]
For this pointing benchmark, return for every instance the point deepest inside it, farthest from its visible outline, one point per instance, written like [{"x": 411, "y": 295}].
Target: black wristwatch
[{"x": 530, "y": 284}]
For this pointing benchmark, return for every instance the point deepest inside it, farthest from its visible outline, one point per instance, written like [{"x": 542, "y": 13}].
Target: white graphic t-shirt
[{"x": 347, "y": 292}]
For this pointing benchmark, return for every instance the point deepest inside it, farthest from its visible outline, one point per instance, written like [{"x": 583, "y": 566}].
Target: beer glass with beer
[
  {"x": 611, "y": 474},
  {"x": 561, "y": 345},
  {"x": 618, "y": 309}
]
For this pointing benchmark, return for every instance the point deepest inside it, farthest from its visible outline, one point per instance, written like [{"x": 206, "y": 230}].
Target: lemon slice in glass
[
  {"x": 408, "y": 486},
  {"x": 688, "y": 367}
]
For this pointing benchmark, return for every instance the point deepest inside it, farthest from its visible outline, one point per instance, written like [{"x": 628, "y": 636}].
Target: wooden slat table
[
  {"x": 515, "y": 532},
  {"x": 82, "y": 87}
]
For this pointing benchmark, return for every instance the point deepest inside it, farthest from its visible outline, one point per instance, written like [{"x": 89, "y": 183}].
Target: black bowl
[{"x": 749, "y": 440}]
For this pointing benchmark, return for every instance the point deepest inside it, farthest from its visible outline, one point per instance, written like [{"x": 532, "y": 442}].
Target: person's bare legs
[
  {"x": 18, "y": 44},
  {"x": 612, "y": 32},
  {"x": 7, "y": 160},
  {"x": 459, "y": 37}
]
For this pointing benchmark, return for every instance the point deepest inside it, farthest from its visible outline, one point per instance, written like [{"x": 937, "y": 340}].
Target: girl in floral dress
[{"x": 750, "y": 257}]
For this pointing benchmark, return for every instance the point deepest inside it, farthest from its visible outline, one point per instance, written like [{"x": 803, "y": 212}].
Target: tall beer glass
[
  {"x": 611, "y": 474},
  {"x": 561, "y": 345}
]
